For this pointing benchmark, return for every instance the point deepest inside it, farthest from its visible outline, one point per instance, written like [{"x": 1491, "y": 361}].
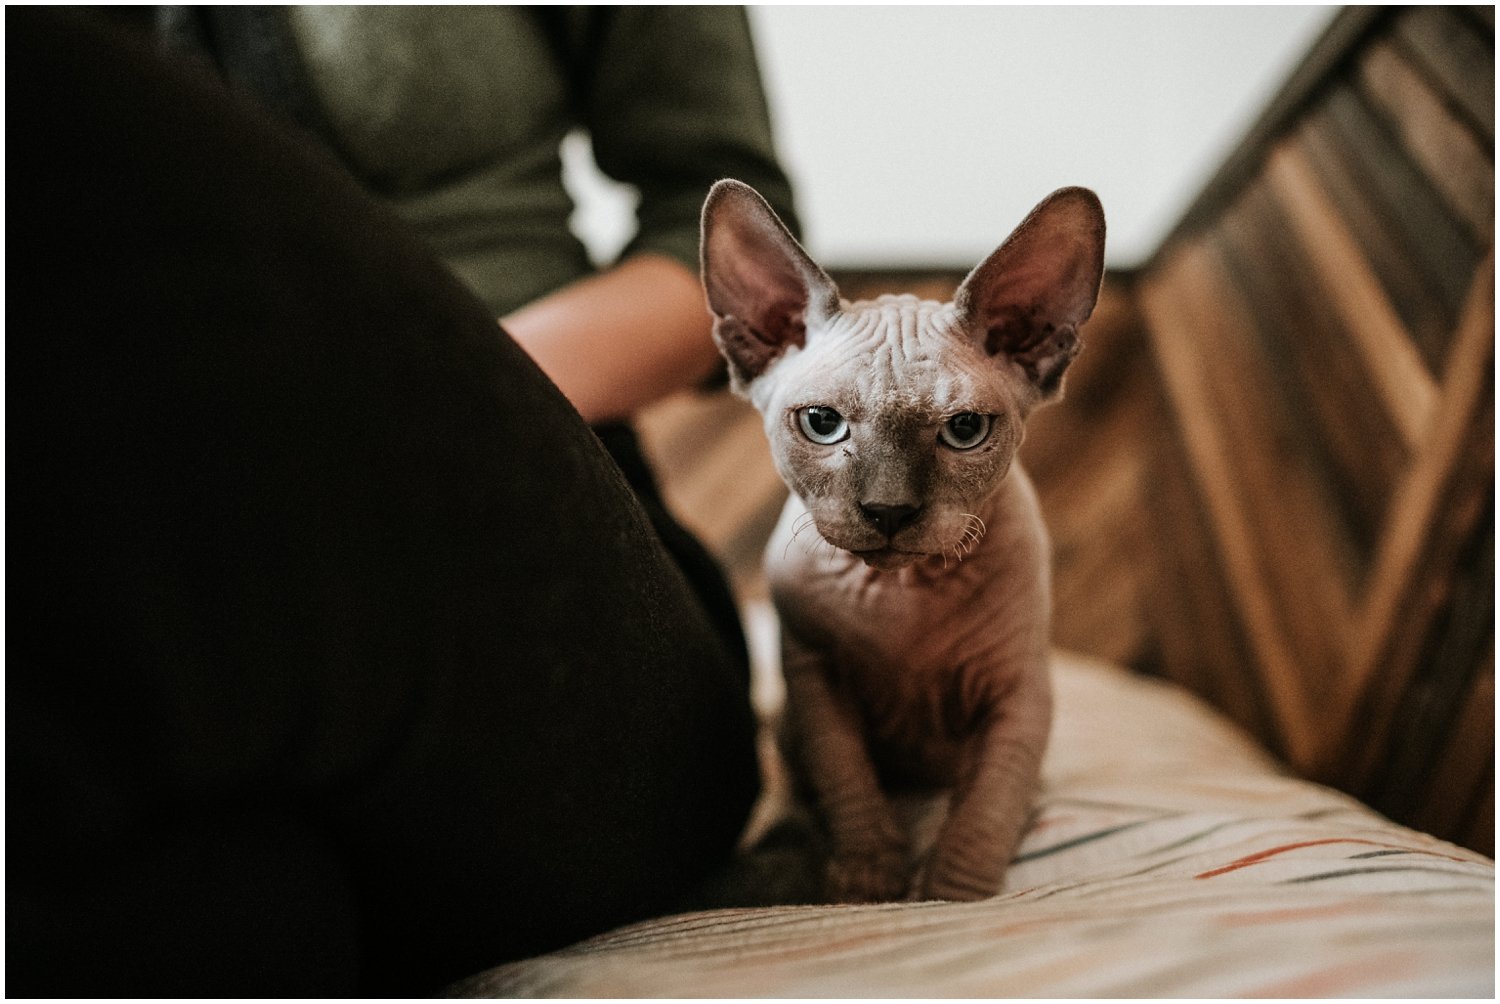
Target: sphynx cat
[{"x": 910, "y": 567}]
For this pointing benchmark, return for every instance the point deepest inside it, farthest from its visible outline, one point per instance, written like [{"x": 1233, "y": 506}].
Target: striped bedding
[{"x": 1169, "y": 858}]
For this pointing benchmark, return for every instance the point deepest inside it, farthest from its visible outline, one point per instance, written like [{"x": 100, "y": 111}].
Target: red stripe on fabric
[{"x": 1263, "y": 855}]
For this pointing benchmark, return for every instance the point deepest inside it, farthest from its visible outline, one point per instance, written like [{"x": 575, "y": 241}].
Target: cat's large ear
[
  {"x": 1028, "y": 299},
  {"x": 762, "y": 287}
]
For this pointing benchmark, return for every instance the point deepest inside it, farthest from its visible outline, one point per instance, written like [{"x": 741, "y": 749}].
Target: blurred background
[
  {"x": 918, "y": 136},
  {"x": 1272, "y": 477}
]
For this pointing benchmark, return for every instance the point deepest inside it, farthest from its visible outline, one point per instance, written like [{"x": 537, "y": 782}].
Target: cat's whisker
[
  {"x": 811, "y": 546},
  {"x": 974, "y": 529},
  {"x": 799, "y": 526}
]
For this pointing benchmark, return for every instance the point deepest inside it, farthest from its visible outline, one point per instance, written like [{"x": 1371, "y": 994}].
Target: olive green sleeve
[{"x": 673, "y": 104}]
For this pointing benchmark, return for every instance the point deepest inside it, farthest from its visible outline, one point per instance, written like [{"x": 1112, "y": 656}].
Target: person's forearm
[{"x": 619, "y": 340}]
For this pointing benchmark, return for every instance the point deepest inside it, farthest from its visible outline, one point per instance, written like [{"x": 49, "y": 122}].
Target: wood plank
[
  {"x": 1439, "y": 494},
  {"x": 1456, "y": 643},
  {"x": 1082, "y": 498},
  {"x": 1406, "y": 389},
  {"x": 1443, "y": 251},
  {"x": 1447, "y": 621},
  {"x": 1454, "y": 784},
  {"x": 1451, "y": 51},
  {"x": 1338, "y": 454},
  {"x": 1413, "y": 294},
  {"x": 1182, "y": 305},
  {"x": 1096, "y": 604},
  {"x": 1452, "y": 157},
  {"x": 1199, "y": 639}
]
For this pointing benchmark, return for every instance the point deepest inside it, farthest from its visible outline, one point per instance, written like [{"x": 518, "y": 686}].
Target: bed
[{"x": 1170, "y": 857}]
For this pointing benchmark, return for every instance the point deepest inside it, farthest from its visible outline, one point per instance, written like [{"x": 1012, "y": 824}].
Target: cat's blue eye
[
  {"x": 965, "y": 430},
  {"x": 822, "y": 425}
]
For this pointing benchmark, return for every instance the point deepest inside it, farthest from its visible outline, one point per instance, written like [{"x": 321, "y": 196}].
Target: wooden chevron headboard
[{"x": 1274, "y": 482}]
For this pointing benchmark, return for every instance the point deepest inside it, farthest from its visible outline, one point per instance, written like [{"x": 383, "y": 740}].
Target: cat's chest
[
  {"x": 910, "y": 655},
  {"x": 918, "y": 718}
]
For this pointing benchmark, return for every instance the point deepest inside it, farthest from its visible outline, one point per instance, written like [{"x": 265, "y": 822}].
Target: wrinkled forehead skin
[{"x": 892, "y": 363}]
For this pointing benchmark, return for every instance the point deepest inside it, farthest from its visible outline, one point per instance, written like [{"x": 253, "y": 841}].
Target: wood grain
[
  {"x": 1404, "y": 387},
  {"x": 1458, "y": 57},
  {"x": 1453, "y": 158}
]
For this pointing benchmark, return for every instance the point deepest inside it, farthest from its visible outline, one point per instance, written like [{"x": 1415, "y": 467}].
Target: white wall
[{"x": 922, "y": 135}]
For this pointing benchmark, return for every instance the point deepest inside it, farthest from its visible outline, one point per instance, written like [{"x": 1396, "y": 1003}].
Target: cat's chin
[{"x": 888, "y": 559}]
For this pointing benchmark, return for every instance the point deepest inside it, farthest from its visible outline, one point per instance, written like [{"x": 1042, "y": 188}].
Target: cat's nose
[{"x": 889, "y": 518}]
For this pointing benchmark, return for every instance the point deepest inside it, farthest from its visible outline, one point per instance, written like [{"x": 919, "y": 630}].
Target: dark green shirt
[{"x": 455, "y": 115}]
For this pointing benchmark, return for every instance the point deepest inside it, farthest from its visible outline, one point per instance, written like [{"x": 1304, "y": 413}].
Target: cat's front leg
[
  {"x": 992, "y": 802},
  {"x": 868, "y": 860}
]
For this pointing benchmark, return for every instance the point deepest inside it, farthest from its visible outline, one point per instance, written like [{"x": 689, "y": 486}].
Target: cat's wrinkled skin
[{"x": 910, "y": 575}]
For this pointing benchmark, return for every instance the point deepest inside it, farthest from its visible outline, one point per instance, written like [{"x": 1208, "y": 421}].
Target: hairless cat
[{"x": 910, "y": 568}]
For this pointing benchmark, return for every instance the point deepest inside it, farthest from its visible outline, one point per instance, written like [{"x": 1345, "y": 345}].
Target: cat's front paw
[
  {"x": 957, "y": 884},
  {"x": 869, "y": 877}
]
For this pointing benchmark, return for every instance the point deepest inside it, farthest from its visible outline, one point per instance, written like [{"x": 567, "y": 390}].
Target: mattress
[{"x": 1169, "y": 857}]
